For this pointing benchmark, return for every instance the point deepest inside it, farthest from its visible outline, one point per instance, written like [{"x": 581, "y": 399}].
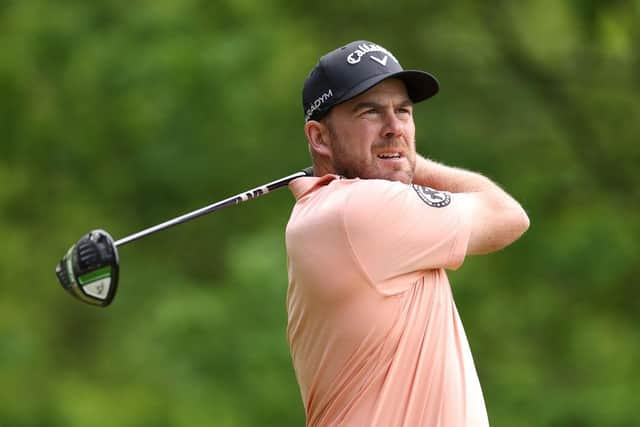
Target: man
[{"x": 374, "y": 333}]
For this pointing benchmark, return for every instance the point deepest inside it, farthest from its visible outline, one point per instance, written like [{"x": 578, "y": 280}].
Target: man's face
[{"x": 373, "y": 134}]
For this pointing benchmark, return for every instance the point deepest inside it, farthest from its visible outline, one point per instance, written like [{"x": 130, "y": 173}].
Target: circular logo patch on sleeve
[{"x": 433, "y": 198}]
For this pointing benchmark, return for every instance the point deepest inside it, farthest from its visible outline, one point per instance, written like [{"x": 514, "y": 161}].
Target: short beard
[
  {"x": 358, "y": 169},
  {"x": 349, "y": 171}
]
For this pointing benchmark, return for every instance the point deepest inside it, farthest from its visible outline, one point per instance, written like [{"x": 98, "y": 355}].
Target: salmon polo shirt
[{"x": 374, "y": 333}]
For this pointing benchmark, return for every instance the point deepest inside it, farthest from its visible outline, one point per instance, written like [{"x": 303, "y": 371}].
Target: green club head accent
[{"x": 89, "y": 270}]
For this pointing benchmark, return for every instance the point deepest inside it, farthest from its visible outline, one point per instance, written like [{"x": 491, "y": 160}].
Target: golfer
[{"x": 373, "y": 329}]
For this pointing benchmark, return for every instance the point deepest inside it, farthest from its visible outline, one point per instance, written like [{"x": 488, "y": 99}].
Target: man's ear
[{"x": 318, "y": 138}]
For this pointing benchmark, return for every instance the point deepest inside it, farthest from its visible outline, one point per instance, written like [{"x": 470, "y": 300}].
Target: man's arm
[{"x": 498, "y": 219}]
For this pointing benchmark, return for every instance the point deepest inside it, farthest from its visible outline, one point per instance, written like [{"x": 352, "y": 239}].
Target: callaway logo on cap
[{"x": 350, "y": 70}]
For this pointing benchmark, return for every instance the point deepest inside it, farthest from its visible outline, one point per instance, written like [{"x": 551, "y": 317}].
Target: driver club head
[{"x": 89, "y": 270}]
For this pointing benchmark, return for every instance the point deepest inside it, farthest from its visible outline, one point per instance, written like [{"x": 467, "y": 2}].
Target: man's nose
[{"x": 393, "y": 126}]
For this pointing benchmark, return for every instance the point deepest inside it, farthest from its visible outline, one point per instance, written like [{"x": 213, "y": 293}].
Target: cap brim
[{"x": 420, "y": 85}]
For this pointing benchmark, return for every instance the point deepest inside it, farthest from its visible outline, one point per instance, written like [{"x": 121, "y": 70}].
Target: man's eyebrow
[
  {"x": 372, "y": 104},
  {"x": 365, "y": 105}
]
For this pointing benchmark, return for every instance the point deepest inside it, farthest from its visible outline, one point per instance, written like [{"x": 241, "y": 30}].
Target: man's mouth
[{"x": 385, "y": 156}]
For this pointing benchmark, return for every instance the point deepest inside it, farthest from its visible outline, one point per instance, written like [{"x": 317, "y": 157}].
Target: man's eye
[{"x": 369, "y": 112}]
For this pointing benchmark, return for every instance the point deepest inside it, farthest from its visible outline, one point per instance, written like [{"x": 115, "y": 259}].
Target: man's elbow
[
  {"x": 506, "y": 227},
  {"x": 516, "y": 225},
  {"x": 522, "y": 222}
]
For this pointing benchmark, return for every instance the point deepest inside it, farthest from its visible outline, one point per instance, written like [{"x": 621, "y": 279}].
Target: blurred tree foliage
[{"x": 119, "y": 114}]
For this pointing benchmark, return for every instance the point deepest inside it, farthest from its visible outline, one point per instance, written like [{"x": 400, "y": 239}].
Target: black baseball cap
[{"x": 350, "y": 70}]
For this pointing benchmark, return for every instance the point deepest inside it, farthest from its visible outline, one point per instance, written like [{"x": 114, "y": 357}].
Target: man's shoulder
[
  {"x": 368, "y": 186},
  {"x": 345, "y": 194},
  {"x": 374, "y": 190},
  {"x": 349, "y": 201},
  {"x": 342, "y": 197}
]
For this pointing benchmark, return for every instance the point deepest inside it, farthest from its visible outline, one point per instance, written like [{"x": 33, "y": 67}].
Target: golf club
[{"x": 89, "y": 270}]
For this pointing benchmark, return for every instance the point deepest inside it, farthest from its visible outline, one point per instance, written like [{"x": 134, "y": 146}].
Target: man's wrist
[{"x": 424, "y": 171}]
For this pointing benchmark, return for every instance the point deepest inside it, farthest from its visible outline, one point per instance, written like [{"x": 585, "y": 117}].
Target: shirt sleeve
[{"x": 396, "y": 229}]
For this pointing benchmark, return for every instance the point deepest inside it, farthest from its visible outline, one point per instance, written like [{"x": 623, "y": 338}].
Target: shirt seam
[
  {"x": 462, "y": 237},
  {"x": 350, "y": 244}
]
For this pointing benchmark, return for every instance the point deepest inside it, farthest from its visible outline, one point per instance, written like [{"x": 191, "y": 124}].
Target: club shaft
[{"x": 233, "y": 200}]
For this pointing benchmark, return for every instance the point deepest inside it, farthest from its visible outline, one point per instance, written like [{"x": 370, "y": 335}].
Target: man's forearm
[
  {"x": 455, "y": 180},
  {"x": 498, "y": 218}
]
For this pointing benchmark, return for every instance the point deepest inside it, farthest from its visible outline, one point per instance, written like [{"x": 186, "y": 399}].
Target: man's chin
[
  {"x": 403, "y": 176},
  {"x": 400, "y": 174},
  {"x": 397, "y": 171}
]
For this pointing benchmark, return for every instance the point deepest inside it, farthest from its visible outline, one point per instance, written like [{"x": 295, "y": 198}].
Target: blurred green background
[{"x": 122, "y": 114}]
